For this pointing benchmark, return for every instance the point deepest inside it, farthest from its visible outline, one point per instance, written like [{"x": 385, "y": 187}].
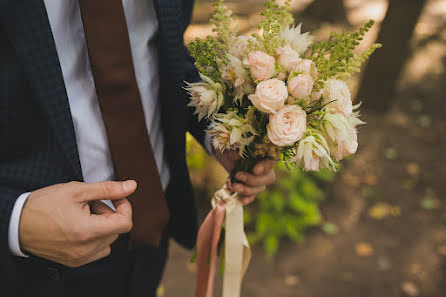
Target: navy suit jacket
[{"x": 37, "y": 139}]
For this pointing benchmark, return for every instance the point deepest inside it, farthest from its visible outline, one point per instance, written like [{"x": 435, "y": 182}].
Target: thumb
[{"x": 107, "y": 190}]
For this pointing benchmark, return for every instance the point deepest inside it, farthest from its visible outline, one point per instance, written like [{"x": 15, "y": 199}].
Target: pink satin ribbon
[{"x": 207, "y": 242}]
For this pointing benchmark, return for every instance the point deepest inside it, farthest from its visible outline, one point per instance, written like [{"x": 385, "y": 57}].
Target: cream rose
[
  {"x": 261, "y": 65},
  {"x": 306, "y": 67},
  {"x": 287, "y": 126},
  {"x": 270, "y": 95},
  {"x": 337, "y": 92},
  {"x": 287, "y": 57},
  {"x": 301, "y": 86}
]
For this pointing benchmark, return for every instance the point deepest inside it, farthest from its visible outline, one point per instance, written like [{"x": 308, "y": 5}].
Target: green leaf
[
  {"x": 194, "y": 257},
  {"x": 271, "y": 245},
  {"x": 330, "y": 228}
]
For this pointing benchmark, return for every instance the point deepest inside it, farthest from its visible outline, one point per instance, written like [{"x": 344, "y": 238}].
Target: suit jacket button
[{"x": 53, "y": 274}]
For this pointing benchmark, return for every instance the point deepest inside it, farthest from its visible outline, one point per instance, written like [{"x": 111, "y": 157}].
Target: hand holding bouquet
[{"x": 273, "y": 95}]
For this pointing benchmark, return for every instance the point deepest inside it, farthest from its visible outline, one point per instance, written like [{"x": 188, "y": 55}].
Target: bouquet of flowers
[{"x": 275, "y": 94}]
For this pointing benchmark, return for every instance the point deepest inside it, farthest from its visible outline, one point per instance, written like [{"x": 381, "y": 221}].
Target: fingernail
[
  {"x": 237, "y": 188},
  {"x": 128, "y": 185}
]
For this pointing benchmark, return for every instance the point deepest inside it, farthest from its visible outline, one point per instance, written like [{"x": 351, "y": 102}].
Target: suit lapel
[
  {"x": 170, "y": 18},
  {"x": 28, "y": 28}
]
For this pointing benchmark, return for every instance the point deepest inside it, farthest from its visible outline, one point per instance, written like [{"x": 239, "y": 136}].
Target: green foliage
[
  {"x": 354, "y": 64},
  {"x": 270, "y": 39},
  {"x": 330, "y": 228},
  {"x": 285, "y": 210},
  {"x": 222, "y": 21},
  {"x": 196, "y": 156},
  {"x": 286, "y": 16},
  {"x": 335, "y": 56},
  {"x": 205, "y": 55},
  {"x": 207, "y": 52}
]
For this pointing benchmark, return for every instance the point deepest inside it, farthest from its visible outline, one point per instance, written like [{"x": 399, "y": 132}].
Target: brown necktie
[{"x": 111, "y": 61}]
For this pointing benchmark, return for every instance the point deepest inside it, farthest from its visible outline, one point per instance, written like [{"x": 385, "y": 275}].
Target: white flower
[
  {"x": 238, "y": 77},
  {"x": 354, "y": 118},
  {"x": 337, "y": 92},
  {"x": 238, "y": 45},
  {"x": 231, "y": 132},
  {"x": 206, "y": 96},
  {"x": 313, "y": 153},
  {"x": 341, "y": 132},
  {"x": 299, "y": 42},
  {"x": 270, "y": 95},
  {"x": 287, "y": 57}
]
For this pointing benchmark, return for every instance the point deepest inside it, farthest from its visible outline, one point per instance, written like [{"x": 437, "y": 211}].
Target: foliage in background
[
  {"x": 196, "y": 155},
  {"x": 287, "y": 209}
]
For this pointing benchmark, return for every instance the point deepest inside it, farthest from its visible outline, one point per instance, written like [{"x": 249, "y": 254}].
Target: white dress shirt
[{"x": 94, "y": 153}]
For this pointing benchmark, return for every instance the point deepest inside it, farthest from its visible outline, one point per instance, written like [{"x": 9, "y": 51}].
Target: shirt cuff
[
  {"x": 208, "y": 144},
  {"x": 13, "y": 232}
]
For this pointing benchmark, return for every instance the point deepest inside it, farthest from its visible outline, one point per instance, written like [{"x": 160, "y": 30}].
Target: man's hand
[
  {"x": 251, "y": 184},
  {"x": 58, "y": 224}
]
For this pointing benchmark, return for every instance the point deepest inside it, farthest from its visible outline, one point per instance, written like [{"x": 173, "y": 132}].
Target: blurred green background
[{"x": 378, "y": 226}]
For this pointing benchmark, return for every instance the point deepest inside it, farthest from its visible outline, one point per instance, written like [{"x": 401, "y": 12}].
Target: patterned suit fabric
[{"x": 36, "y": 129}]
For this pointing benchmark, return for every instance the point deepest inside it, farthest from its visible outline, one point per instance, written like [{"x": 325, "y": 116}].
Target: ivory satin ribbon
[{"x": 227, "y": 212}]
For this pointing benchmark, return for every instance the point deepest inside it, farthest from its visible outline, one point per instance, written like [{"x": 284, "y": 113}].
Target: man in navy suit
[{"x": 62, "y": 149}]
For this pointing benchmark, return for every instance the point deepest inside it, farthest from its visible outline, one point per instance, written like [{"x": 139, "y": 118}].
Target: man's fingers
[
  {"x": 107, "y": 190},
  {"x": 105, "y": 252},
  {"x": 227, "y": 159},
  {"x": 257, "y": 180},
  {"x": 248, "y": 191},
  {"x": 123, "y": 207},
  {"x": 118, "y": 222},
  {"x": 264, "y": 166},
  {"x": 247, "y": 200},
  {"x": 99, "y": 208},
  {"x": 233, "y": 155}
]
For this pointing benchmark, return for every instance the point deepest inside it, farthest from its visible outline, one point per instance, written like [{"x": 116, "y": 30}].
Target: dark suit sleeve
[{"x": 196, "y": 128}]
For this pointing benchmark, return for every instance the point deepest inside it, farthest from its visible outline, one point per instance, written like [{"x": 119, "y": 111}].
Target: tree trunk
[
  {"x": 381, "y": 75},
  {"x": 332, "y": 11}
]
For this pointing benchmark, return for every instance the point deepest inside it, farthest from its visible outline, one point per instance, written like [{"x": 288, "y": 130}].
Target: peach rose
[
  {"x": 287, "y": 126},
  {"x": 270, "y": 95},
  {"x": 261, "y": 65},
  {"x": 337, "y": 92},
  {"x": 287, "y": 57},
  {"x": 306, "y": 67},
  {"x": 301, "y": 86}
]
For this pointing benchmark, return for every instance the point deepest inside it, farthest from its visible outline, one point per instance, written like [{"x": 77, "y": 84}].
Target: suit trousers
[
  {"x": 129, "y": 271},
  {"x": 133, "y": 271}
]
